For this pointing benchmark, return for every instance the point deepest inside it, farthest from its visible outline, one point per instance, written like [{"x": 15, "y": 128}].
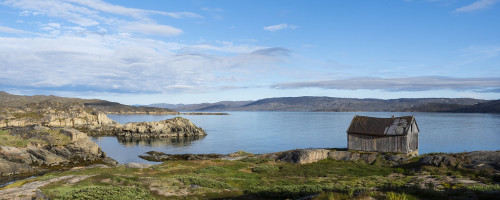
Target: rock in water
[{"x": 176, "y": 127}]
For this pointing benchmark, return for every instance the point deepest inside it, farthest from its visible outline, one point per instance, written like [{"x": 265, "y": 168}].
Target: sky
[{"x": 196, "y": 51}]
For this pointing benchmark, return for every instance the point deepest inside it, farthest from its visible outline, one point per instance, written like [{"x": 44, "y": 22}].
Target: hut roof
[{"x": 381, "y": 126}]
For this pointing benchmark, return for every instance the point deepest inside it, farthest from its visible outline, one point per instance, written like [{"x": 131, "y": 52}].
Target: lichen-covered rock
[
  {"x": 304, "y": 156},
  {"x": 47, "y": 158},
  {"x": 483, "y": 160},
  {"x": 8, "y": 168},
  {"x": 369, "y": 157},
  {"x": 176, "y": 127},
  {"x": 33, "y": 158},
  {"x": 19, "y": 155},
  {"x": 54, "y": 114},
  {"x": 339, "y": 155},
  {"x": 439, "y": 160},
  {"x": 137, "y": 165}
]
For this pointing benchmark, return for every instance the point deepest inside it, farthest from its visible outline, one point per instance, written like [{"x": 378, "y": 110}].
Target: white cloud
[
  {"x": 279, "y": 27},
  {"x": 421, "y": 83},
  {"x": 477, "y": 5},
  {"x": 54, "y": 25},
  {"x": 5, "y": 29},
  {"x": 88, "y": 13},
  {"x": 151, "y": 29},
  {"x": 132, "y": 12},
  {"x": 120, "y": 63}
]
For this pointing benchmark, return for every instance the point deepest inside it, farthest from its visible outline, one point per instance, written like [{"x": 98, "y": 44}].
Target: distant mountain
[
  {"x": 332, "y": 104},
  {"x": 9, "y": 100}
]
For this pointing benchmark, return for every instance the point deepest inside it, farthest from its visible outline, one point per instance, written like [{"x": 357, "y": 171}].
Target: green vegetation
[
  {"x": 32, "y": 115},
  {"x": 55, "y": 137},
  {"x": 15, "y": 141},
  {"x": 219, "y": 179},
  {"x": 102, "y": 192},
  {"x": 204, "y": 182},
  {"x": 52, "y": 136}
]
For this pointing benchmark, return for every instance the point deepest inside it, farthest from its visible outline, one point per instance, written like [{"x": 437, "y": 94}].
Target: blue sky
[{"x": 142, "y": 52}]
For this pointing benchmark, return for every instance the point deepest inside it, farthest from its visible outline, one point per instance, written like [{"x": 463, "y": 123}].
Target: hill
[
  {"x": 15, "y": 101},
  {"x": 332, "y": 104}
]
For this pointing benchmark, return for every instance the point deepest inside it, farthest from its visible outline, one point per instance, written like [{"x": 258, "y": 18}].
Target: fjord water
[{"x": 264, "y": 132}]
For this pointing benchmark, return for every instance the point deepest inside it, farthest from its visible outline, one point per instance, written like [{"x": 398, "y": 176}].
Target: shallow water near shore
[{"x": 264, "y": 132}]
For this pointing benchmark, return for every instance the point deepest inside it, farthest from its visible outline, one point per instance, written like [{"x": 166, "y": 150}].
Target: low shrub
[
  {"x": 204, "y": 182},
  {"x": 264, "y": 168},
  {"x": 107, "y": 193},
  {"x": 212, "y": 170}
]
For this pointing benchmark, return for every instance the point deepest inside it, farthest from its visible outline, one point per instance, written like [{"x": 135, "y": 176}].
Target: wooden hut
[{"x": 395, "y": 134}]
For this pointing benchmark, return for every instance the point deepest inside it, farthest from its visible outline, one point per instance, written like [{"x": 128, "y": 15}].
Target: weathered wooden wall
[
  {"x": 381, "y": 143},
  {"x": 412, "y": 141}
]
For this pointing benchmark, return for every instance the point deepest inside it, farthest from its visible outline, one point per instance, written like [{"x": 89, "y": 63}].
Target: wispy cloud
[
  {"x": 5, "y": 29},
  {"x": 477, "y": 5},
  {"x": 132, "y": 12},
  {"x": 401, "y": 84},
  {"x": 280, "y": 27},
  {"x": 151, "y": 29},
  {"x": 89, "y": 13},
  {"x": 215, "y": 13},
  {"x": 116, "y": 63}
]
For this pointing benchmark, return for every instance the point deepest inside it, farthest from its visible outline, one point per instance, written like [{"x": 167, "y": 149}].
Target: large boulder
[
  {"x": 476, "y": 160},
  {"x": 8, "y": 168},
  {"x": 304, "y": 156},
  {"x": 483, "y": 160}
]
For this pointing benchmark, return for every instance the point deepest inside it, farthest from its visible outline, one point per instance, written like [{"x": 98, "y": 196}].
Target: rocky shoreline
[
  {"x": 49, "y": 135},
  {"x": 476, "y": 160},
  {"x": 48, "y": 149}
]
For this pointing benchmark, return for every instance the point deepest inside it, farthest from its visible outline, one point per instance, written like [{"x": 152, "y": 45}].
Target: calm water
[{"x": 263, "y": 132}]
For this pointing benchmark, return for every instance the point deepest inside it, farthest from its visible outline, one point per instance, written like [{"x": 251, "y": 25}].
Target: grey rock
[
  {"x": 176, "y": 127},
  {"x": 369, "y": 157},
  {"x": 353, "y": 156},
  {"x": 19, "y": 155},
  {"x": 338, "y": 155},
  {"x": 8, "y": 168},
  {"x": 137, "y": 165},
  {"x": 304, "y": 156},
  {"x": 438, "y": 160},
  {"x": 46, "y": 157},
  {"x": 484, "y": 160},
  {"x": 109, "y": 161}
]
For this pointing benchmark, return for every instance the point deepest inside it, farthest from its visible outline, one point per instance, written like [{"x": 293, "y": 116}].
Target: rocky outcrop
[
  {"x": 156, "y": 156},
  {"x": 476, "y": 160},
  {"x": 176, "y": 127},
  {"x": 36, "y": 157},
  {"x": 30, "y": 190},
  {"x": 54, "y": 114},
  {"x": 304, "y": 156}
]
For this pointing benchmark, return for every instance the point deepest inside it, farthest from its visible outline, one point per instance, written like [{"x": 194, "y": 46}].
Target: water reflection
[{"x": 158, "y": 142}]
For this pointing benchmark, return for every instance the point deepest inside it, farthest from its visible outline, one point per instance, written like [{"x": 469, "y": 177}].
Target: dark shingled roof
[{"x": 380, "y": 126}]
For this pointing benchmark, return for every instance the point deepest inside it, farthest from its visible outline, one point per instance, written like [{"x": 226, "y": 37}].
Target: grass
[
  {"x": 8, "y": 140},
  {"x": 55, "y": 137},
  {"x": 223, "y": 179},
  {"x": 52, "y": 136},
  {"x": 101, "y": 192}
]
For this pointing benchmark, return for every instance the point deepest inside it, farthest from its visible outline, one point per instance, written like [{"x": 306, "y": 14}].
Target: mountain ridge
[
  {"x": 108, "y": 107},
  {"x": 335, "y": 104}
]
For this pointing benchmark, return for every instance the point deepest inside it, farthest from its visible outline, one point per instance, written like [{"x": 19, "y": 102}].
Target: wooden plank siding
[{"x": 380, "y": 143}]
